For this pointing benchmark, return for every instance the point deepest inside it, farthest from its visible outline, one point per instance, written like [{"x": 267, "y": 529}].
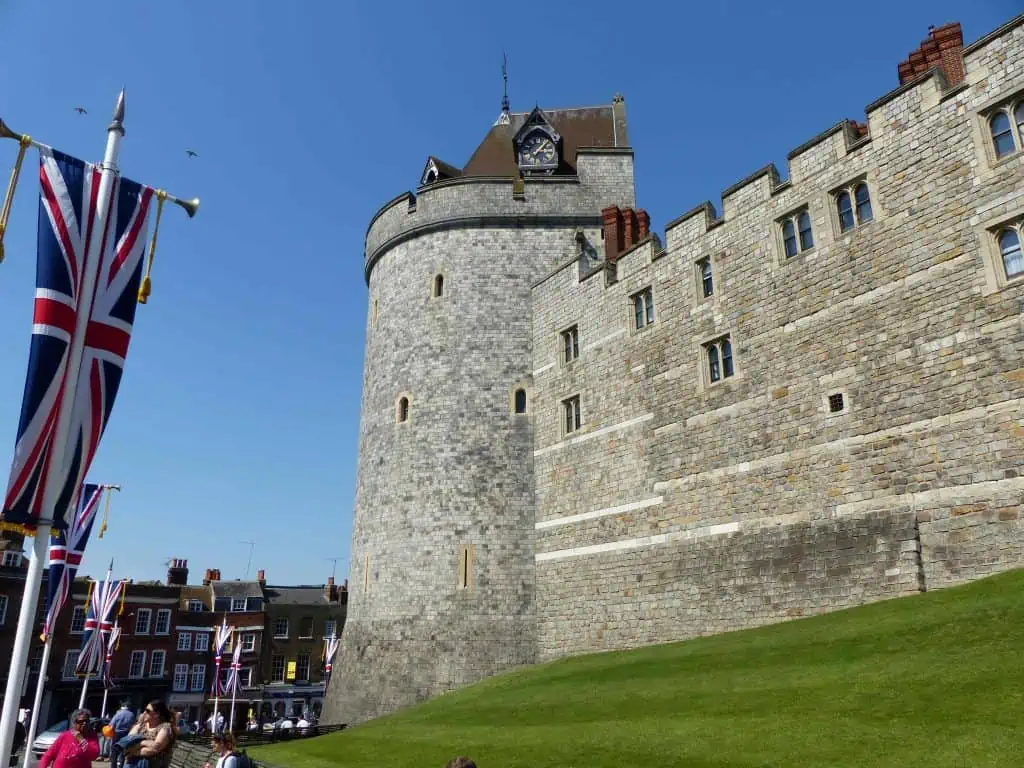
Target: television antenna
[
  {"x": 334, "y": 567},
  {"x": 248, "y": 563}
]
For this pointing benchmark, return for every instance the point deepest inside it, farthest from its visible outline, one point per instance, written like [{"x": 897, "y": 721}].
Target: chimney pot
[
  {"x": 612, "y": 218},
  {"x": 261, "y": 575}
]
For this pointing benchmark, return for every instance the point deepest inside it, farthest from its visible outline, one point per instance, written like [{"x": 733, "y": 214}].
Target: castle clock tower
[{"x": 442, "y": 578}]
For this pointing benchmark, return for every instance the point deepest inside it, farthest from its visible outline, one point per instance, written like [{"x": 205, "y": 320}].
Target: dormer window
[{"x": 436, "y": 170}]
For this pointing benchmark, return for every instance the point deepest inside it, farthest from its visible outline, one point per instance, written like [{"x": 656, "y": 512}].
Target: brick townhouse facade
[
  {"x": 166, "y": 646},
  {"x": 299, "y": 620}
]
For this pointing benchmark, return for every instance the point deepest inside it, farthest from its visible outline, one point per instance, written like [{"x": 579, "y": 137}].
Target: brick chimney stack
[
  {"x": 330, "y": 591},
  {"x": 212, "y": 575},
  {"x": 261, "y": 576},
  {"x": 177, "y": 573},
  {"x": 943, "y": 49},
  {"x": 623, "y": 228}
]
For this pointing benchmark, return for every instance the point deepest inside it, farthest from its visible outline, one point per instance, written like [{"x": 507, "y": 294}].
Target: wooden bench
[{"x": 185, "y": 755}]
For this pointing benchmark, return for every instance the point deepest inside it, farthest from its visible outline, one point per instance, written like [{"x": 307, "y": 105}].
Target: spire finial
[
  {"x": 504, "y": 118},
  {"x": 504, "y": 77}
]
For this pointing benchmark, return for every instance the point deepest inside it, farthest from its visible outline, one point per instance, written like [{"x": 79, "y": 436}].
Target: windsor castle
[{"x": 577, "y": 436}]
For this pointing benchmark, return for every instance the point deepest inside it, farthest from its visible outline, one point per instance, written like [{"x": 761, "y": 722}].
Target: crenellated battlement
[{"x": 938, "y": 70}]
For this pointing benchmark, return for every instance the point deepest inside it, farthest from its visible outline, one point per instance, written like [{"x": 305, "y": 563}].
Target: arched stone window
[
  {"x": 1010, "y": 250},
  {"x": 402, "y": 410},
  {"x": 438, "y": 286},
  {"x": 845, "y": 211},
  {"x": 1002, "y": 134}
]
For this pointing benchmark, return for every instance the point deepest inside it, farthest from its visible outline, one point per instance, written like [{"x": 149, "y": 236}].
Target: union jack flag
[
  {"x": 220, "y": 639},
  {"x": 112, "y": 641},
  {"x": 99, "y": 623},
  {"x": 330, "y": 648},
  {"x": 67, "y": 228},
  {"x": 66, "y": 550},
  {"x": 233, "y": 686}
]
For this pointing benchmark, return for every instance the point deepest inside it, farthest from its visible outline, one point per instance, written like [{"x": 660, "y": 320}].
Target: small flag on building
[{"x": 67, "y": 233}]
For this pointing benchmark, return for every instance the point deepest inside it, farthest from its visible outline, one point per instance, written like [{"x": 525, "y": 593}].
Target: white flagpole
[
  {"x": 38, "y": 701},
  {"x": 85, "y": 687},
  {"x": 231, "y": 722},
  {"x": 59, "y": 446},
  {"x": 216, "y": 696},
  {"x": 103, "y": 709}
]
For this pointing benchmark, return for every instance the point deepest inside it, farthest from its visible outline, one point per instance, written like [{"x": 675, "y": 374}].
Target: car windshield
[{"x": 57, "y": 727}]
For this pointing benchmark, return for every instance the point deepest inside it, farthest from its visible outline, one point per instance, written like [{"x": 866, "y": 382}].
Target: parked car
[{"x": 45, "y": 739}]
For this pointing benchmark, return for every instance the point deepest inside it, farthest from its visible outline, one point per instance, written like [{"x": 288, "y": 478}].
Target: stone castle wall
[
  {"x": 684, "y": 506},
  {"x": 456, "y": 479}
]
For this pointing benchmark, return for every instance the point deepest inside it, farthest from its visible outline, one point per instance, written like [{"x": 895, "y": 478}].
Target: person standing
[
  {"x": 76, "y": 747},
  {"x": 121, "y": 723}
]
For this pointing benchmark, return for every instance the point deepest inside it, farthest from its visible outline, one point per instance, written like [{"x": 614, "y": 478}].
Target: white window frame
[
  {"x": 163, "y": 613},
  {"x": 76, "y": 612},
  {"x": 287, "y": 627},
  {"x": 312, "y": 628},
  {"x": 202, "y": 644},
  {"x": 332, "y": 625},
  {"x": 196, "y": 606},
  {"x": 184, "y": 641},
  {"x": 245, "y": 677},
  {"x": 284, "y": 668},
  {"x": 200, "y": 670},
  {"x": 139, "y": 613},
  {"x": 649, "y": 315},
  {"x": 157, "y": 654},
  {"x": 571, "y": 406},
  {"x": 67, "y": 672},
  {"x": 569, "y": 339},
  {"x": 180, "y": 674},
  {"x": 142, "y": 665},
  {"x": 298, "y": 667},
  {"x": 249, "y": 642},
  {"x": 237, "y": 605},
  {"x": 12, "y": 559}
]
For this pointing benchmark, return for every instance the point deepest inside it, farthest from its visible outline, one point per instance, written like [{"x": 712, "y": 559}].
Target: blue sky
[{"x": 238, "y": 415}]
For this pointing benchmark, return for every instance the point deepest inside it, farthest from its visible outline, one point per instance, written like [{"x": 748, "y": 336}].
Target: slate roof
[
  {"x": 304, "y": 595},
  {"x": 236, "y": 589},
  {"x": 578, "y": 126}
]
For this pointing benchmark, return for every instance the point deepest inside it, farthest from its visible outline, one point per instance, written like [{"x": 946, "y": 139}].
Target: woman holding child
[{"x": 156, "y": 726}]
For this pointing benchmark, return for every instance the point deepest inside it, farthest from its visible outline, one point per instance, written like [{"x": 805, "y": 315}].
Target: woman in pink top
[{"x": 76, "y": 747}]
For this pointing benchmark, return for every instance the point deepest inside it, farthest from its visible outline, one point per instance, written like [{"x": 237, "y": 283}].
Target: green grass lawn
[{"x": 933, "y": 680}]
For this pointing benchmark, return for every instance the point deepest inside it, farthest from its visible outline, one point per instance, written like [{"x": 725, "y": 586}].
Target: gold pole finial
[
  {"x": 24, "y": 142},
  {"x": 147, "y": 284}
]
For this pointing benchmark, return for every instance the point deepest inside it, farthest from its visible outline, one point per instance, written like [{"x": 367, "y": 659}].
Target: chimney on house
[
  {"x": 943, "y": 49},
  {"x": 330, "y": 591},
  {"x": 177, "y": 573},
  {"x": 261, "y": 576},
  {"x": 612, "y": 219},
  {"x": 212, "y": 574}
]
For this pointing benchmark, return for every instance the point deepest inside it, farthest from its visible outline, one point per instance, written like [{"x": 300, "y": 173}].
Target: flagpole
[
  {"x": 231, "y": 722},
  {"x": 85, "y": 687},
  {"x": 59, "y": 445},
  {"x": 103, "y": 709},
  {"x": 37, "y": 702}
]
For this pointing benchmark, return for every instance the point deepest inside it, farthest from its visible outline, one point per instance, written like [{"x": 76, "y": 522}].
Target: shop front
[{"x": 292, "y": 701}]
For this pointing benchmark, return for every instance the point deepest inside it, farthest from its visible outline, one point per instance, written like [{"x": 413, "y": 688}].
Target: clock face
[{"x": 538, "y": 149}]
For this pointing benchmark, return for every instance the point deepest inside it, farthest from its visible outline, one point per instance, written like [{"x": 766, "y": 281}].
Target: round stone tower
[{"x": 441, "y": 580}]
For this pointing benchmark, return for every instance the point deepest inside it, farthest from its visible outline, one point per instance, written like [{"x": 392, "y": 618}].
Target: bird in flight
[
  {"x": 191, "y": 153},
  {"x": 81, "y": 110}
]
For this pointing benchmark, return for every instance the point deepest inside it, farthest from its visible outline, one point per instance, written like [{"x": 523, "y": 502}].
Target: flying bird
[
  {"x": 81, "y": 110},
  {"x": 191, "y": 153}
]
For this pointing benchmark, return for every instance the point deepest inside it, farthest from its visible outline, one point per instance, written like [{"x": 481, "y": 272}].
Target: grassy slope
[{"x": 934, "y": 679}]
